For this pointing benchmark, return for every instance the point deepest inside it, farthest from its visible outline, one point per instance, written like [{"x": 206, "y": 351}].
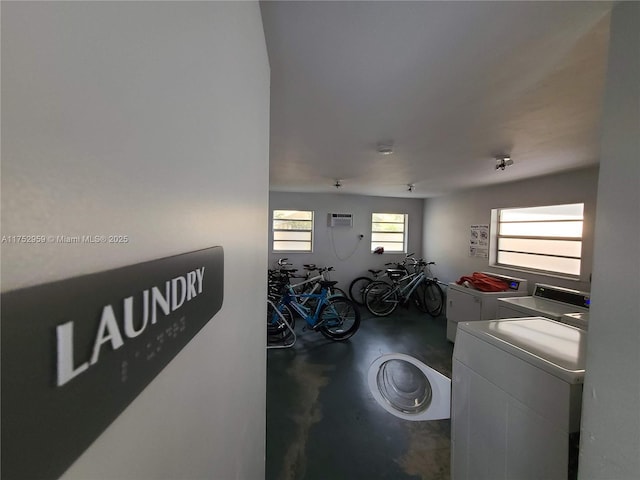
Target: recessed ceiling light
[{"x": 385, "y": 148}]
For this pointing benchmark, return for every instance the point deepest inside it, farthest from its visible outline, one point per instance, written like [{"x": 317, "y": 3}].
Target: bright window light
[
  {"x": 544, "y": 239},
  {"x": 388, "y": 230},
  {"x": 292, "y": 231}
]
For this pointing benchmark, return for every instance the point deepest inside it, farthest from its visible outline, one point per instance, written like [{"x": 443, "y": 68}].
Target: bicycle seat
[
  {"x": 310, "y": 266},
  {"x": 326, "y": 284},
  {"x": 374, "y": 272}
]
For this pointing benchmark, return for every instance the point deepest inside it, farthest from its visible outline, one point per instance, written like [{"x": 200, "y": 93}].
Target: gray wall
[
  {"x": 448, "y": 218},
  {"x": 610, "y": 437},
  {"x": 143, "y": 119},
  {"x": 340, "y": 247}
]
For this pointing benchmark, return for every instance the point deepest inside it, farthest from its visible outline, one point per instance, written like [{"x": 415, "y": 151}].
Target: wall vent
[{"x": 340, "y": 220}]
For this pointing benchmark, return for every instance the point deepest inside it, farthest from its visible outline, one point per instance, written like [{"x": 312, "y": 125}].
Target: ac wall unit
[{"x": 341, "y": 220}]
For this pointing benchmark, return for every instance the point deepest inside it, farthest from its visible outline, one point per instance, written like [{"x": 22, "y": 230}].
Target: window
[
  {"x": 292, "y": 231},
  {"x": 388, "y": 230},
  {"x": 547, "y": 239}
]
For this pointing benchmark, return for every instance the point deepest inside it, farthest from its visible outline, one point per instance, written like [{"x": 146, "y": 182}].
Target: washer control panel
[{"x": 564, "y": 295}]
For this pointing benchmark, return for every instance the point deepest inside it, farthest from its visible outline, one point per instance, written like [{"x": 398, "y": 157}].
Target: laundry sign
[
  {"x": 479, "y": 241},
  {"x": 76, "y": 352}
]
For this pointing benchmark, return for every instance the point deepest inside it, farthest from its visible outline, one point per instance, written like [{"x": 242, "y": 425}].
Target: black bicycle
[
  {"x": 360, "y": 284},
  {"x": 418, "y": 287}
]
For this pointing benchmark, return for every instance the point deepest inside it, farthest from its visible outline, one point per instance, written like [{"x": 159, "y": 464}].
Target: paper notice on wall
[{"x": 479, "y": 241}]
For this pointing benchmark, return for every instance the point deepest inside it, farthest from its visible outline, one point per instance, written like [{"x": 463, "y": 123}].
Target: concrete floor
[{"x": 322, "y": 421}]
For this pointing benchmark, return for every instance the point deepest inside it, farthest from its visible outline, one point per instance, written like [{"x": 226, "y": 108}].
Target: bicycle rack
[{"x": 286, "y": 345}]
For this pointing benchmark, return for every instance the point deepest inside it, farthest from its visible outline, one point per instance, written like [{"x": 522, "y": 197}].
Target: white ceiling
[{"x": 451, "y": 84}]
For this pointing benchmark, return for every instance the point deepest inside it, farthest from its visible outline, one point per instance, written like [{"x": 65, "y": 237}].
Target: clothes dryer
[
  {"x": 466, "y": 304},
  {"x": 516, "y": 401},
  {"x": 547, "y": 300}
]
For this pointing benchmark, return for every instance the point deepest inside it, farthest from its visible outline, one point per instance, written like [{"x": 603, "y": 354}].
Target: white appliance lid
[
  {"x": 578, "y": 315},
  {"x": 536, "y": 306},
  {"x": 554, "y": 347},
  {"x": 579, "y": 319}
]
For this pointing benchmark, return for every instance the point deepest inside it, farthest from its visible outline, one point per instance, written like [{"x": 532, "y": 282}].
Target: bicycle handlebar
[{"x": 414, "y": 261}]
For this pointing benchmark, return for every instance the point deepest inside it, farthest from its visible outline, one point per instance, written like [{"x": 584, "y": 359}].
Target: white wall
[
  {"x": 340, "y": 247},
  {"x": 145, "y": 119},
  {"x": 448, "y": 220},
  {"x": 610, "y": 437}
]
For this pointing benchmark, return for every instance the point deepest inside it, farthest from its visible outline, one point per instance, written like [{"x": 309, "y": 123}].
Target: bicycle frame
[
  {"x": 321, "y": 277},
  {"x": 405, "y": 291},
  {"x": 291, "y": 299},
  {"x": 309, "y": 280},
  {"x": 419, "y": 278},
  {"x": 317, "y": 278}
]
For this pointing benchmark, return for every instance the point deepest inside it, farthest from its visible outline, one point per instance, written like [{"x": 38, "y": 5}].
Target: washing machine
[
  {"x": 409, "y": 389},
  {"x": 516, "y": 399},
  {"x": 547, "y": 301},
  {"x": 466, "y": 304}
]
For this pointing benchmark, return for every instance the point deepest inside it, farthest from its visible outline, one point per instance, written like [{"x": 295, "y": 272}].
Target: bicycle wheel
[
  {"x": 339, "y": 319},
  {"x": 337, "y": 292},
  {"x": 417, "y": 297},
  {"x": 277, "y": 330},
  {"x": 433, "y": 299},
  {"x": 380, "y": 298},
  {"x": 357, "y": 288}
]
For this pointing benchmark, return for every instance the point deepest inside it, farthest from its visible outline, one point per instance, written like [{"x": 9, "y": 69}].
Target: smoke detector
[{"x": 385, "y": 148}]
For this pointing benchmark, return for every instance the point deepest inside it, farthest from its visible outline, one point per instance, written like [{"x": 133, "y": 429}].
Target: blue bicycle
[{"x": 335, "y": 316}]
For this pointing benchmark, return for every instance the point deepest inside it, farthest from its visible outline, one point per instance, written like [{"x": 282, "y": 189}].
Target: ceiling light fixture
[
  {"x": 503, "y": 161},
  {"x": 338, "y": 184},
  {"x": 411, "y": 187},
  {"x": 385, "y": 148}
]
